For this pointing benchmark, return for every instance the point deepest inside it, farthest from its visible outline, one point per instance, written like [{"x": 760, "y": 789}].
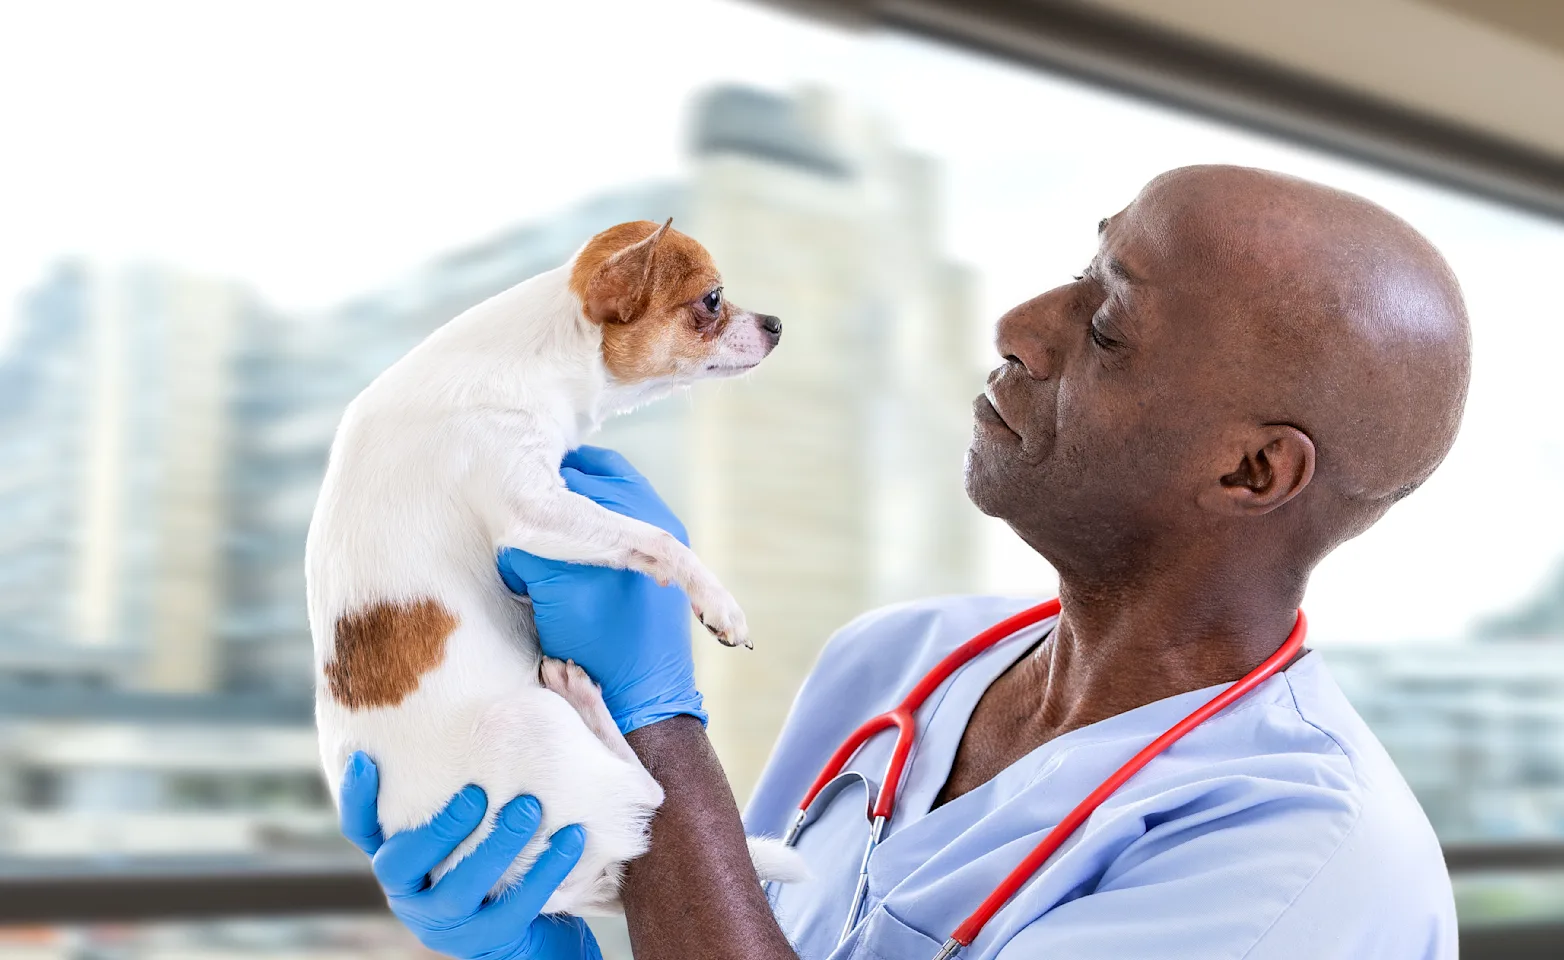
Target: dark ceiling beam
[{"x": 1096, "y": 46}]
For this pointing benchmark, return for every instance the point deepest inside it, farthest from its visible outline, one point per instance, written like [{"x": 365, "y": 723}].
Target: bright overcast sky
[{"x": 316, "y": 149}]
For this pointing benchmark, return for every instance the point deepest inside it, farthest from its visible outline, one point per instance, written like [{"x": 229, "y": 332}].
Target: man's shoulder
[
  {"x": 1293, "y": 785},
  {"x": 1394, "y": 829},
  {"x": 1384, "y": 876},
  {"x": 1293, "y": 763}
]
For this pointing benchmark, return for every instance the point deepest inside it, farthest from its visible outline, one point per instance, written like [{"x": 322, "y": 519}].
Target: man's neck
[{"x": 1115, "y": 650}]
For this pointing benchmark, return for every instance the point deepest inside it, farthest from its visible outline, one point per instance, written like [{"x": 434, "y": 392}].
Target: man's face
[{"x": 1094, "y": 433}]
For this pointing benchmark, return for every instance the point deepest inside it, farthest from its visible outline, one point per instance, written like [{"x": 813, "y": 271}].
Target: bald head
[
  {"x": 1252, "y": 363},
  {"x": 1344, "y": 320}
]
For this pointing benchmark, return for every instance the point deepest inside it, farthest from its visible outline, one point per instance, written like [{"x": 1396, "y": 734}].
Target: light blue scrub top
[{"x": 1277, "y": 829}]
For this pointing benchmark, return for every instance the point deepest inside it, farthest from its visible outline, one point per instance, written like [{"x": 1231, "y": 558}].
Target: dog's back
[{"x": 424, "y": 660}]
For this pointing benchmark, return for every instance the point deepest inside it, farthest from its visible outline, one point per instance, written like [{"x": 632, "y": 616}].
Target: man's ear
[
  {"x": 1273, "y": 465},
  {"x": 617, "y": 293}
]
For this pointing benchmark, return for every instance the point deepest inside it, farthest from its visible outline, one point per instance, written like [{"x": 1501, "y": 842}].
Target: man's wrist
[
  {"x": 634, "y": 718},
  {"x": 667, "y": 741}
]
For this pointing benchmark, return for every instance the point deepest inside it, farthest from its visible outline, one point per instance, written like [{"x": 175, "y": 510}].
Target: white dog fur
[{"x": 424, "y": 660}]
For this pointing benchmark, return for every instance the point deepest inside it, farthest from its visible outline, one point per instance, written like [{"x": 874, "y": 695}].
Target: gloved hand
[
  {"x": 452, "y": 917},
  {"x": 626, "y": 632}
]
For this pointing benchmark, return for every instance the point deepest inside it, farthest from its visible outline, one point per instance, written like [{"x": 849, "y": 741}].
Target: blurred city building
[
  {"x": 117, "y": 441},
  {"x": 829, "y": 482},
  {"x": 1477, "y": 729},
  {"x": 165, "y": 437},
  {"x": 1477, "y": 726},
  {"x": 118, "y": 736},
  {"x": 824, "y": 484}
]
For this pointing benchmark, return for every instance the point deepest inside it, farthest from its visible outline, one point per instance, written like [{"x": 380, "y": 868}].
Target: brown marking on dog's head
[
  {"x": 658, "y": 297},
  {"x": 382, "y": 650}
]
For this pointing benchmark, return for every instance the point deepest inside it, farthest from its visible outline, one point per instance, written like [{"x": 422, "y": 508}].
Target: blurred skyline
[
  {"x": 167, "y": 434},
  {"x": 258, "y": 155},
  {"x": 224, "y": 222}
]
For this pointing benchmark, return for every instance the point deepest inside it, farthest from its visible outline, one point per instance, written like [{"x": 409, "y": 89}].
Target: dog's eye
[{"x": 713, "y": 301}]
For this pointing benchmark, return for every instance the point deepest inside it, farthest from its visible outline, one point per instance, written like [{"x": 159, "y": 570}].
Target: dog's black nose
[{"x": 770, "y": 324}]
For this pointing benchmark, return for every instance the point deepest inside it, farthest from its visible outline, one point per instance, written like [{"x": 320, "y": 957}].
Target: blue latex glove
[
  {"x": 452, "y": 916},
  {"x": 626, "y": 632}
]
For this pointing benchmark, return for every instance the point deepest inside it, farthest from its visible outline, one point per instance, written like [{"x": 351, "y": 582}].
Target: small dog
[{"x": 424, "y": 660}]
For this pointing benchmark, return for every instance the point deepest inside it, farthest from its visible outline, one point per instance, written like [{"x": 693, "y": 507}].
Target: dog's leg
[
  {"x": 571, "y": 682},
  {"x": 562, "y": 525}
]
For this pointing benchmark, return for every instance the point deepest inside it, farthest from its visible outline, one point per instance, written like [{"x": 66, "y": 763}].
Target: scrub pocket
[{"x": 884, "y": 937}]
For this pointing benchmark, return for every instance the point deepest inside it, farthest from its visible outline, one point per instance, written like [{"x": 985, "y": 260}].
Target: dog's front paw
[
  {"x": 720, "y": 614},
  {"x": 571, "y": 682}
]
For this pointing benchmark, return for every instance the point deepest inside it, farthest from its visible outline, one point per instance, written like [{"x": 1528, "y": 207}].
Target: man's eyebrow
[
  {"x": 1118, "y": 269},
  {"x": 1103, "y": 224},
  {"x": 1114, "y": 267}
]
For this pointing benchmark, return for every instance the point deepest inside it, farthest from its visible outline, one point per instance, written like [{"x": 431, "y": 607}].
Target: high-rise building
[
  {"x": 170, "y": 433},
  {"x": 829, "y": 481},
  {"x": 1477, "y": 728},
  {"x": 119, "y": 433},
  {"x": 42, "y": 390}
]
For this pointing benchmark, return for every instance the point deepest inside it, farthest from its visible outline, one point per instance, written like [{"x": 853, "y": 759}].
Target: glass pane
[{"x": 190, "y": 310}]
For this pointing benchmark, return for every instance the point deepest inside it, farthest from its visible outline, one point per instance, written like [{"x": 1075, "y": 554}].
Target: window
[{"x": 235, "y": 221}]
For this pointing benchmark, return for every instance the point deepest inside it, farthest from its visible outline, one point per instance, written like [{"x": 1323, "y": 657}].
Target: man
[{"x": 1251, "y": 371}]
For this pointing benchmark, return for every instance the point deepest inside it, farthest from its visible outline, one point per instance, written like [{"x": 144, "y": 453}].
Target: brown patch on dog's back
[
  {"x": 647, "y": 310},
  {"x": 382, "y": 650}
]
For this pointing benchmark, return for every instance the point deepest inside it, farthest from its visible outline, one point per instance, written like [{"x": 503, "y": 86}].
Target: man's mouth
[{"x": 987, "y": 414}]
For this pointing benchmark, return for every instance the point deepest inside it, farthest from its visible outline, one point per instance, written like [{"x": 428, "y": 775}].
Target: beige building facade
[
  {"x": 149, "y": 543},
  {"x": 827, "y": 482}
]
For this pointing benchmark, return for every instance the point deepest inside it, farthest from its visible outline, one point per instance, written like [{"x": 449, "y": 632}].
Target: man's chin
[{"x": 981, "y": 484}]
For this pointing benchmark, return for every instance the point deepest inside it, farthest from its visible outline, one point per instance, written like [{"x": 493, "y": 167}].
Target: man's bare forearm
[{"x": 694, "y": 895}]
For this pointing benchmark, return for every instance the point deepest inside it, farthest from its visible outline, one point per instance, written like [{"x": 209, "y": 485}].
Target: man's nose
[{"x": 1028, "y": 335}]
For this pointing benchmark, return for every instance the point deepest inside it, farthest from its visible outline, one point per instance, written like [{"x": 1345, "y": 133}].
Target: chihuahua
[{"x": 423, "y": 658}]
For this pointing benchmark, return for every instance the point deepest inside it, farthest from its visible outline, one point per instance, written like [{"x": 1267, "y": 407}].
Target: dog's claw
[
  {"x": 724, "y": 637},
  {"x": 720, "y": 615}
]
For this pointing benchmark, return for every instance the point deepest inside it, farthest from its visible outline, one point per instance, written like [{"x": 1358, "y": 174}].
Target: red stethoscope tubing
[{"x": 902, "y": 718}]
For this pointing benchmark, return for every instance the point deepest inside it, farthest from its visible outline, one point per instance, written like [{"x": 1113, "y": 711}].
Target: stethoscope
[{"x": 832, "y": 781}]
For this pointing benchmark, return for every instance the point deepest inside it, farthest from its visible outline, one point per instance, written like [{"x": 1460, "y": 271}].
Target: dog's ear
[{"x": 618, "y": 292}]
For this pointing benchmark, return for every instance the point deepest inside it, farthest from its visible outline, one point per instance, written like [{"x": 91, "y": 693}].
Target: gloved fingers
[
  {"x": 359, "y": 813},
  {"x": 560, "y": 936},
  {"x": 518, "y": 567},
  {"x": 607, "y": 492},
  {"x": 599, "y": 462},
  {"x": 403, "y": 862},
  {"x": 523, "y": 902},
  {"x": 522, "y": 571},
  {"x": 462, "y": 890}
]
